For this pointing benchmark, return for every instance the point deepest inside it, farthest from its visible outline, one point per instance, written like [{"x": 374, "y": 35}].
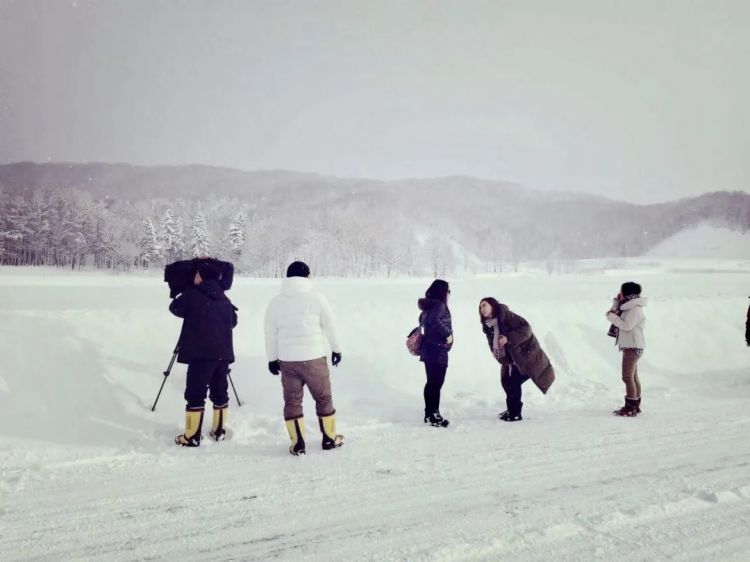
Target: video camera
[{"x": 180, "y": 274}]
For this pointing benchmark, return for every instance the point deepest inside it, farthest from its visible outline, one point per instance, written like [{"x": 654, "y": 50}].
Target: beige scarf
[{"x": 497, "y": 351}]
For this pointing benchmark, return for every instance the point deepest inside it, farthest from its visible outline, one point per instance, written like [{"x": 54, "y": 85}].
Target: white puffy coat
[
  {"x": 631, "y": 323},
  {"x": 298, "y": 321}
]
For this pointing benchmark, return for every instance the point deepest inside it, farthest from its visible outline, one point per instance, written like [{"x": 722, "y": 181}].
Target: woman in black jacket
[
  {"x": 436, "y": 343},
  {"x": 517, "y": 350}
]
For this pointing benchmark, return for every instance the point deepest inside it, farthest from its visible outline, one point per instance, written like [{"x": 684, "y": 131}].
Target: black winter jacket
[
  {"x": 436, "y": 319},
  {"x": 209, "y": 317}
]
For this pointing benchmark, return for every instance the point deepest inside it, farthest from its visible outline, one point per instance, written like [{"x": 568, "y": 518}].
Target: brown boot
[{"x": 629, "y": 410}]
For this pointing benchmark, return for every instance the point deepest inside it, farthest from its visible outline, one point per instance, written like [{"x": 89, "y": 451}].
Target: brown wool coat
[{"x": 524, "y": 348}]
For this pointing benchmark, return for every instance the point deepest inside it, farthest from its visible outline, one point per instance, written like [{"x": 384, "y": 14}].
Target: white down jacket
[
  {"x": 298, "y": 321},
  {"x": 630, "y": 323}
]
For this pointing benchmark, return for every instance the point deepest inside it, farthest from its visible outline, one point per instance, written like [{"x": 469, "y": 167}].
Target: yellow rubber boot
[
  {"x": 219, "y": 427},
  {"x": 193, "y": 424},
  {"x": 296, "y": 430},
  {"x": 328, "y": 429}
]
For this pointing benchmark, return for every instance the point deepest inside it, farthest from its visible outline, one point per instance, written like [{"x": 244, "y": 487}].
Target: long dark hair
[
  {"x": 494, "y": 304},
  {"x": 439, "y": 290}
]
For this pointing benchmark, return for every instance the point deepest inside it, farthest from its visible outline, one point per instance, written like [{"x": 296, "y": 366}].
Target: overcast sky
[{"x": 644, "y": 100}]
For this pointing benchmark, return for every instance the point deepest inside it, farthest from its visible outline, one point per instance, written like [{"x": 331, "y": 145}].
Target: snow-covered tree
[
  {"x": 179, "y": 227},
  {"x": 149, "y": 250},
  {"x": 200, "y": 243},
  {"x": 440, "y": 253},
  {"x": 237, "y": 233},
  {"x": 73, "y": 227},
  {"x": 39, "y": 228},
  {"x": 171, "y": 237}
]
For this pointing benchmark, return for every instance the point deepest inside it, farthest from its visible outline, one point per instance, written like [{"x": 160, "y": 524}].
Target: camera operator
[{"x": 206, "y": 346}]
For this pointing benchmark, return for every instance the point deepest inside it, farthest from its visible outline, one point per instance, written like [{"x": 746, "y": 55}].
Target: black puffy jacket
[
  {"x": 209, "y": 317},
  {"x": 436, "y": 319}
]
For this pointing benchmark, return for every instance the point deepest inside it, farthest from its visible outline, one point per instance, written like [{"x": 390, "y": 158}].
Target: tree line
[
  {"x": 340, "y": 234},
  {"x": 69, "y": 228}
]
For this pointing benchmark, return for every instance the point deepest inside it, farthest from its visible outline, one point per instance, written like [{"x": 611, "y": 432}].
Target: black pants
[
  {"x": 435, "y": 379},
  {"x": 512, "y": 379},
  {"x": 202, "y": 375}
]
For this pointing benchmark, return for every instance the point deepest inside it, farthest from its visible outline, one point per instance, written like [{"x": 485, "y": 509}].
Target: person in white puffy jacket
[
  {"x": 629, "y": 320},
  {"x": 298, "y": 322}
]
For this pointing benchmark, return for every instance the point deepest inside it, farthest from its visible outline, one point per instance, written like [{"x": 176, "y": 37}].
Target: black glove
[
  {"x": 274, "y": 367},
  {"x": 335, "y": 358}
]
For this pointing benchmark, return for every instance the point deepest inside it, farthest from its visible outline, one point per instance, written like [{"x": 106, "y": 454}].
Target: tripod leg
[
  {"x": 166, "y": 374},
  {"x": 171, "y": 361},
  {"x": 160, "y": 389},
  {"x": 234, "y": 389}
]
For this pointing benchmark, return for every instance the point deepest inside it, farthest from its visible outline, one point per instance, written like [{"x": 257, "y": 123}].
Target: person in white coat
[
  {"x": 298, "y": 322},
  {"x": 629, "y": 320}
]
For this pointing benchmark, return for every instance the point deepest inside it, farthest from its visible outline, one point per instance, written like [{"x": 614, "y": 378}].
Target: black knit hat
[
  {"x": 298, "y": 269},
  {"x": 438, "y": 290}
]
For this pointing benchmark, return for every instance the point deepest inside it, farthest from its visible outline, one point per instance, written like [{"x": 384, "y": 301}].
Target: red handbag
[{"x": 414, "y": 340}]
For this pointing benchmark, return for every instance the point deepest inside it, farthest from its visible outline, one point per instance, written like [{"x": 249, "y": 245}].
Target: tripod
[{"x": 169, "y": 370}]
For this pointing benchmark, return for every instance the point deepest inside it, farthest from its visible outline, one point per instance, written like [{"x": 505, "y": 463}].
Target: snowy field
[{"x": 90, "y": 473}]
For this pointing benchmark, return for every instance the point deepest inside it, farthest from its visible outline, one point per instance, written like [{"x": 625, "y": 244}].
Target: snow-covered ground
[{"x": 89, "y": 472}]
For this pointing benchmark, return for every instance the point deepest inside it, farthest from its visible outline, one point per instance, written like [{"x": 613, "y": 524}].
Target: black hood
[{"x": 427, "y": 303}]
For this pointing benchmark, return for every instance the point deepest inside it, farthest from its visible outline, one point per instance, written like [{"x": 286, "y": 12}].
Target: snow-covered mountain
[{"x": 344, "y": 226}]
